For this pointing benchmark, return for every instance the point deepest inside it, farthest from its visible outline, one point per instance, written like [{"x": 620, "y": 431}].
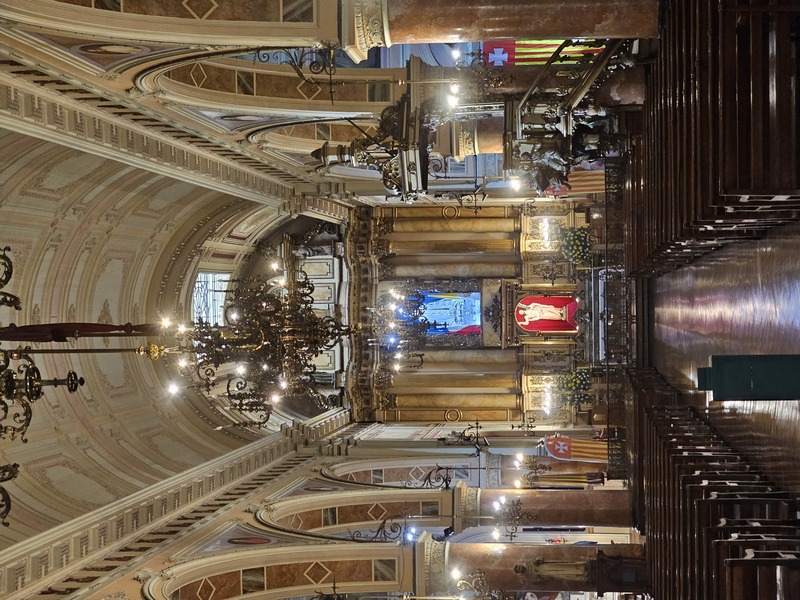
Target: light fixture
[
  {"x": 21, "y": 385},
  {"x": 478, "y": 586},
  {"x": 264, "y": 351},
  {"x": 510, "y": 516}
]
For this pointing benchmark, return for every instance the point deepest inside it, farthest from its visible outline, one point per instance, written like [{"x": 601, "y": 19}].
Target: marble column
[
  {"x": 430, "y": 21},
  {"x": 367, "y": 24},
  {"x": 547, "y": 508},
  {"x": 529, "y": 567}
]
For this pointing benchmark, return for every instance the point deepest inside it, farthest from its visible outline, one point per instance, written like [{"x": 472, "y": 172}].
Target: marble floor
[{"x": 744, "y": 299}]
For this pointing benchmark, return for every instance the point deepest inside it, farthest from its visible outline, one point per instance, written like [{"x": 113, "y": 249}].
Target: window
[
  {"x": 253, "y": 580},
  {"x": 298, "y": 11},
  {"x": 245, "y": 83},
  {"x": 429, "y": 508},
  {"x": 329, "y": 516},
  {"x": 378, "y": 92},
  {"x": 384, "y": 569},
  {"x": 209, "y": 296}
]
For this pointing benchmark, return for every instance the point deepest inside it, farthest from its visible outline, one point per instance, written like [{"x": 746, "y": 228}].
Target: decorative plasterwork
[
  {"x": 58, "y": 119},
  {"x": 466, "y": 139},
  {"x": 364, "y": 26},
  {"x": 467, "y": 505},
  {"x": 88, "y": 539},
  {"x": 435, "y": 578}
]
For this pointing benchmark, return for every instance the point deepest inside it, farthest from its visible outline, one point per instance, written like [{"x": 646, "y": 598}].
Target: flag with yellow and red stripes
[
  {"x": 499, "y": 53},
  {"x": 564, "y": 448}
]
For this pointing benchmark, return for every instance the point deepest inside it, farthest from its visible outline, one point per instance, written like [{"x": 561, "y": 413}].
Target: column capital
[
  {"x": 466, "y": 506},
  {"x": 435, "y": 557},
  {"x": 364, "y": 25}
]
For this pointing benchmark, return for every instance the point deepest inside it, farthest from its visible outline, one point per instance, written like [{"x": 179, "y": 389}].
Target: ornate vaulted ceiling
[
  {"x": 219, "y": 104},
  {"x": 139, "y": 143},
  {"x": 94, "y": 240}
]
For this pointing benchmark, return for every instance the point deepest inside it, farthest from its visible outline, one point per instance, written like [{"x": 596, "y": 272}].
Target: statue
[
  {"x": 536, "y": 312},
  {"x": 540, "y": 570}
]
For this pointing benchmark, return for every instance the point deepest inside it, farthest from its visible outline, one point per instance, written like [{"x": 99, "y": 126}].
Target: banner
[
  {"x": 579, "y": 480},
  {"x": 499, "y": 53},
  {"x": 564, "y": 448}
]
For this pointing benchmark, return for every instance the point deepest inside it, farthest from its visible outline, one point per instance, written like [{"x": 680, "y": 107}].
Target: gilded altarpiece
[
  {"x": 541, "y": 400},
  {"x": 542, "y": 260}
]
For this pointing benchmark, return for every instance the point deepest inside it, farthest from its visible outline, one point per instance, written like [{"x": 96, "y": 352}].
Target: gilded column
[
  {"x": 466, "y": 381},
  {"x": 462, "y": 269},
  {"x": 479, "y": 355},
  {"x": 462, "y": 401},
  {"x": 473, "y": 246},
  {"x": 433, "y": 224},
  {"x": 455, "y": 414},
  {"x": 447, "y": 212}
]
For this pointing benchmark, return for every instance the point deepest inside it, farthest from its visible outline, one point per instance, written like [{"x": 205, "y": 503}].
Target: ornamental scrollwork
[{"x": 371, "y": 31}]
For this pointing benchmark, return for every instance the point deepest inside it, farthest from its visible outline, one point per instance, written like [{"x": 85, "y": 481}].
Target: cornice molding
[
  {"x": 67, "y": 122},
  {"x": 100, "y": 533},
  {"x": 49, "y": 15},
  {"x": 364, "y": 25}
]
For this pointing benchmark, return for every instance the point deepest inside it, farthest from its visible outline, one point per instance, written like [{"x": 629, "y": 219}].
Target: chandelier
[
  {"x": 265, "y": 350},
  {"x": 21, "y": 385}
]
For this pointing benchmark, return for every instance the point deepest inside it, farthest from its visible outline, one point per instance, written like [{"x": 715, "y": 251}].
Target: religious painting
[
  {"x": 235, "y": 537},
  {"x": 451, "y": 313},
  {"x": 546, "y": 313}
]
